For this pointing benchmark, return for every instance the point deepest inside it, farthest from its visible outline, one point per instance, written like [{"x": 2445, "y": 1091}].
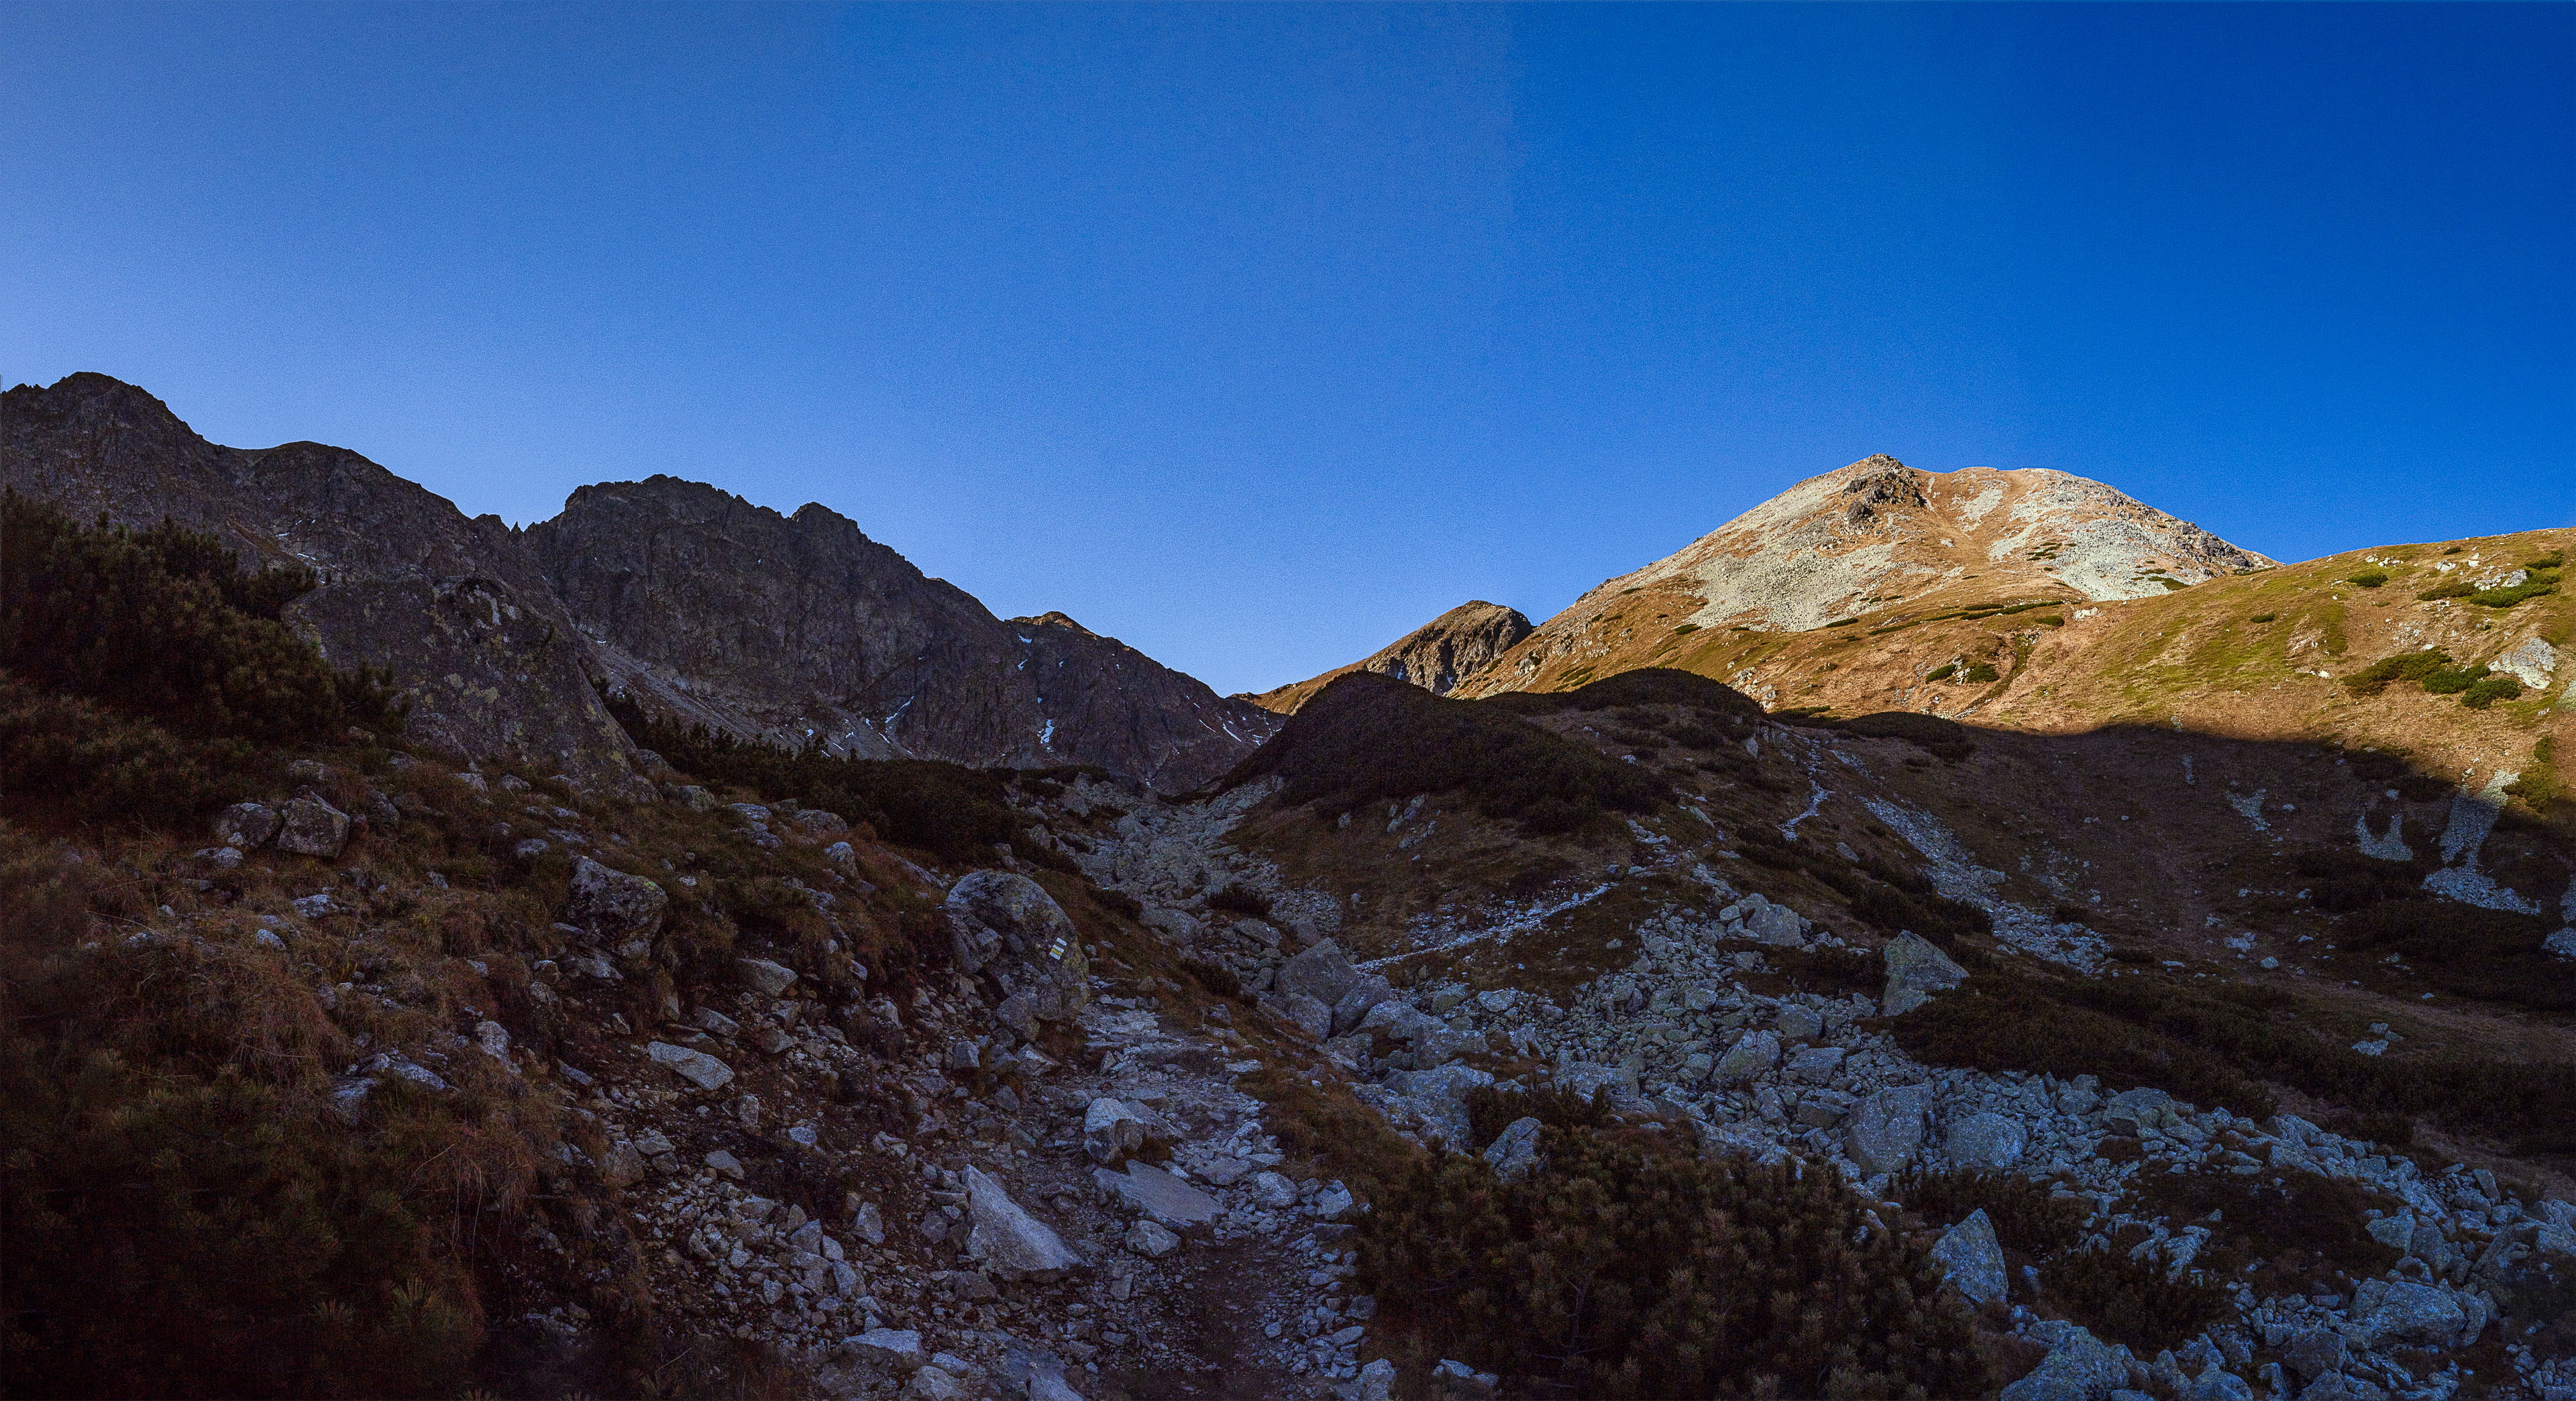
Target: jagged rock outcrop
[
  {"x": 1438, "y": 656},
  {"x": 454, "y": 607},
  {"x": 800, "y": 627}
]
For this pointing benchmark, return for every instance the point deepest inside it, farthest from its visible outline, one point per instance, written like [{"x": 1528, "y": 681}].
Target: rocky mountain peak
[{"x": 1437, "y": 656}]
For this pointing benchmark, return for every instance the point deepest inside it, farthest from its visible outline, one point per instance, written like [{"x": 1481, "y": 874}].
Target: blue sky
[{"x": 1257, "y": 335}]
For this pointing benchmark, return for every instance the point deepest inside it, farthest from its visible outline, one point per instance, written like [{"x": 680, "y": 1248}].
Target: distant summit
[
  {"x": 1869, "y": 537},
  {"x": 1436, "y": 656}
]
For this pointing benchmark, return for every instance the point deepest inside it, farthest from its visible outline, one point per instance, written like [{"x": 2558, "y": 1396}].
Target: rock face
[
  {"x": 800, "y": 626},
  {"x": 456, "y": 608},
  {"x": 1874, "y": 531},
  {"x": 1436, "y": 656}
]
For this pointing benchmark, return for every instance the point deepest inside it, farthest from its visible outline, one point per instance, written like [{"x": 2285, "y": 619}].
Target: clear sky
[{"x": 1257, "y": 335}]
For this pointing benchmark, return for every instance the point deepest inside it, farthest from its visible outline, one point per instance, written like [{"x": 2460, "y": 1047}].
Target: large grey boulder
[
  {"x": 1972, "y": 1258},
  {"x": 1887, "y": 1129},
  {"x": 1157, "y": 1195},
  {"x": 764, "y": 977},
  {"x": 1986, "y": 1141},
  {"x": 696, "y": 1067},
  {"x": 1439, "y": 1097},
  {"x": 2313, "y": 1352},
  {"x": 1431, "y": 1039},
  {"x": 1752, "y": 1055},
  {"x": 1916, "y": 970},
  {"x": 1323, "y": 973},
  {"x": 308, "y": 826},
  {"x": 1008, "y": 1239},
  {"x": 1356, "y": 1004},
  {"x": 246, "y": 826},
  {"x": 1514, "y": 1151},
  {"x": 2079, "y": 1367},
  {"x": 1005, "y": 926},
  {"x": 618, "y": 908},
  {"x": 1308, "y": 1014},
  {"x": 2421, "y": 1315},
  {"x": 2342, "y": 1386},
  {"x": 2131, "y": 1111}
]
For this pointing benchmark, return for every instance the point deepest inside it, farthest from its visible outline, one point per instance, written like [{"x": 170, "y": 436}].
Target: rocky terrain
[
  {"x": 791, "y": 629},
  {"x": 2193, "y": 1023},
  {"x": 1437, "y": 656}
]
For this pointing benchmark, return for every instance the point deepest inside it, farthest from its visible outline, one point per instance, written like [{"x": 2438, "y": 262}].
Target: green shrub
[
  {"x": 2367, "y": 579},
  {"x": 1686, "y": 627},
  {"x": 2533, "y": 587},
  {"x": 2405, "y": 666},
  {"x": 1943, "y": 672},
  {"x": 1842, "y": 622},
  {"x": 2454, "y": 588},
  {"x": 2551, "y": 560},
  {"x": 2263, "y": 617},
  {"x": 1367, "y": 737},
  {"x": 2487, "y": 690},
  {"x": 2450, "y": 681},
  {"x": 1626, "y": 1270},
  {"x": 1978, "y": 672},
  {"x": 165, "y": 625},
  {"x": 1490, "y": 1111},
  {"x": 1996, "y": 1024},
  {"x": 2491, "y": 955}
]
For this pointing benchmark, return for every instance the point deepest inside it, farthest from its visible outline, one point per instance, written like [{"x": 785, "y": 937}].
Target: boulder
[
  {"x": 1323, "y": 973},
  {"x": 2131, "y": 1111},
  {"x": 936, "y": 1384},
  {"x": 1008, "y": 1239},
  {"x": 2341, "y": 1386},
  {"x": 696, "y": 1067},
  {"x": 1773, "y": 924},
  {"x": 2218, "y": 1384},
  {"x": 2079, "y": 1367},
  {"x": 308, "y": 826},
  {"x": 894, "y": 1349},
  {"x": 1308, "y": 1014},
  {"x": 1111, "y": 1131},
  {"x": 1439, "y": 1097},
  {"x": 1355, "y": 1005},
  {"x": 1971, "y": 1257},
  {"x": 1157, "y": 1195},
  {"x": 1815, "y": 1065},
  {"x": 2313, "y": 1352},
  {"x": 1796, "y": 1023},
  {"x": 1752, "y": 1055},
  {"x": 246, "y": 826},
  {"x": 1887, "y": 1128},
  {"x": 1150, "y": 1238},
  {"x": 2531, "y": 661},
  {"x": 764, "y": 977},
  {"x": 613, "y": 905},
  {"x": 1986, "y": 1141},
  {"x": 1514, "y": 1151},
  {"x": 2420, "y": 1315},
  {"x": 1916, "y": 970},
  {"x": 1376, "y": 1382},
  {"x": 1431, "y": 1039},
  {"x": 1005, "y": 927}
]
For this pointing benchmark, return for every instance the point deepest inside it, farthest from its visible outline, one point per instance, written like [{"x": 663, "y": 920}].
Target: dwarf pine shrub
[{"x": 1630, "y": 1270}]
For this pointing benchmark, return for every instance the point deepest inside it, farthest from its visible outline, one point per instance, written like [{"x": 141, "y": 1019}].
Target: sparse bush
[
  {"x": 1490, "y": 1111},
  {"x": 1978, "y": 672},
  {"x": 1625, "y": 1270},
  {"x": 2263, "y": 617},
  {"x": 2453, "y": 588},
  {"x": 2367, "y": 579},
  {"x": 1943, "y": 672},
  {"x": 2492, "y": 955},
  {"x": 2012, "y": 1027}
]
